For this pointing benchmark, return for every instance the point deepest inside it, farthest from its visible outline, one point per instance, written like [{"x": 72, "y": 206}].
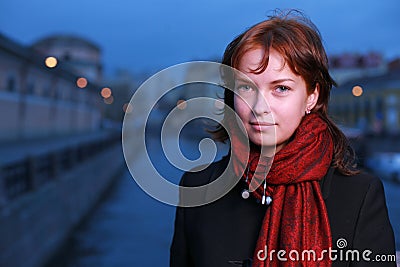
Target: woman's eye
[
  {"x": 244, "y": 88},
  {"x": 282, "y": 89}
]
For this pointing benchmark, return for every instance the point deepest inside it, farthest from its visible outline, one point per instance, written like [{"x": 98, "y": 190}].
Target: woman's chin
[{"x": 267, "y": 147}]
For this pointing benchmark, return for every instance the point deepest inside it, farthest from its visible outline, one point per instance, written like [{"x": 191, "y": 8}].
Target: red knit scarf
[{"x": 296, "y": 220}]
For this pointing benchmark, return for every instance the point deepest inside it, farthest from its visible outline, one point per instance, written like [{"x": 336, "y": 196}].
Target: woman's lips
[{"x": 262, "y": 126}]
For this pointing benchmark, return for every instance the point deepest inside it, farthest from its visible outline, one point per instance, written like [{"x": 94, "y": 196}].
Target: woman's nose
[{"x": 261, "y": 105}]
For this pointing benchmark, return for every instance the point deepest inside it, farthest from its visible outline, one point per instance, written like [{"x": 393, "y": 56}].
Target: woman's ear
[{"x": 312, "y": 99}]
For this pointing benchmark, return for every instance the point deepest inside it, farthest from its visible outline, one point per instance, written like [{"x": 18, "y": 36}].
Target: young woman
[{"x": 313, "y": 207}]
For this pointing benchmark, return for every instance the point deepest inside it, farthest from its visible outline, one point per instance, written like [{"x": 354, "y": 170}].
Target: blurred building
[
  {"x": 370, "y": 103},
  {"x": 348, "y": 66},
  {"x": 40, "y": 98},
  {"x": 81, "y": 55},
  {"x": 210, "y": 89},
  {"x": 123, "y": 85}
]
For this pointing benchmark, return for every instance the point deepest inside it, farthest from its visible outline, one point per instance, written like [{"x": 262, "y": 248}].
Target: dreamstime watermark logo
[
  {"x": 143, "y": 102},
  {"x": 311, "y": 255},
  {"x": 341, "y": 243}
]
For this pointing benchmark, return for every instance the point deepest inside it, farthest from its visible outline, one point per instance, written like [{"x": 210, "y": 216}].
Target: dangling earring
[
  {"x": 245, "y": 192},
  {"x": 308, "y": 111},
  {"x": 265, "y": 199}
]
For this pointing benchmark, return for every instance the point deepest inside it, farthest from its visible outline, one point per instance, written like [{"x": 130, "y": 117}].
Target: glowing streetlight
[
  {"x": 127, "y": 108},
  {"x": 106, "y": 92},
  {"x": 81, "y": 82},
  {"x": 109, "y": 100},
  {"x": 357, "y": 90},
  {"x": 181, "y": 104},
  {"x": 51, "y": 62}
]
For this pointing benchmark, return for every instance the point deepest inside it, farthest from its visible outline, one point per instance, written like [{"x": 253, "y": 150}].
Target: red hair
[{"x": 298, "y": 40}]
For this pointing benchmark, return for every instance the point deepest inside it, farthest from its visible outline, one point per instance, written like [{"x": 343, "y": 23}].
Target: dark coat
[{"x": 224, "y": 232}]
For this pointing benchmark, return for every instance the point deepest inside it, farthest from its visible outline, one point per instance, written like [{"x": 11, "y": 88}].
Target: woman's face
[{"x": 273, "y": 104}]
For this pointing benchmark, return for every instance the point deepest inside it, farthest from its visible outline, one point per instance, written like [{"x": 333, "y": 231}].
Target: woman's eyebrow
[
  {"x": 282, "y": 80},
  {"x": 243, "y": 80}
]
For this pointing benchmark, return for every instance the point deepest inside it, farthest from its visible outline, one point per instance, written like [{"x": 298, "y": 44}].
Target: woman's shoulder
[
  {"x": 361, "y": 181},
  {"x": 358, "y": 213},
  {"x": 340, "y": 189},
  {"x": 352, "y": 189},
  {"x": 205, "y": 173}
]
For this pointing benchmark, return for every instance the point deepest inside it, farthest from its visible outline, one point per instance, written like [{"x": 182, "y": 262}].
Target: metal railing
[{"x": 24, "y": 176}]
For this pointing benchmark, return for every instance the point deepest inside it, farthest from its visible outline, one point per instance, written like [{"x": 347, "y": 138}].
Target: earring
[
  {"x": 265, "y": 199},
  {"x": 245, "y": 192},
  {"x": 308, "y": 111}
]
